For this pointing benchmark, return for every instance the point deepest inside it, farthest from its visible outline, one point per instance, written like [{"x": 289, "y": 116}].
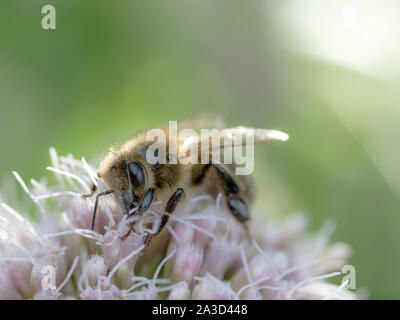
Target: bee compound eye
[{"x": 136, "y": 173}]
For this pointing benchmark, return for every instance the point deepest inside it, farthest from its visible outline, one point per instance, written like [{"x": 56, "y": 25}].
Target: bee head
[{"x": 127, "y": 179}]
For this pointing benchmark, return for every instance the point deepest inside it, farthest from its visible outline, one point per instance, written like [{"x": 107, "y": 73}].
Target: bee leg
[
  {"x": 96, "y": 203},
  {"x": 92, "y": 191},
  {"x": 230, "y": 186},
  {"x": 126, "y": 235},
  {"x": 147, "y": 200},
  {"x": 149, "y": 238},
  {"x": 144, "y": 205},
  {"x": 169, "y": 208},
  {"x": 174, "y": 200},
  {"x": 236, "y": 205},
  {"x": 239, "y": 209}
]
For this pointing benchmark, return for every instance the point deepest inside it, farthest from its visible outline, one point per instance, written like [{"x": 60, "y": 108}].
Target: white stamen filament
[
  {"x": 93, "y": 176},
  {"x": 61, "y": 233},
  {"x": 16, "y": 259},
  {"x": 155, "y": 276},
  {"x": 55, "y": 161},
  {"x": 23, "y": 185},
  {"x": 69, "y": 275},
  {"x": 301, "y": 283},
  {"x": 250, "y": 285},
  {"x": 87, "y": 233},
  {"x": 173, "y": 234},
  {"x": 65, "y": 173},
  {"x": 29, "y": 227},
  {"x": 194, "y": 227},
  {"x": 245, "y": 264},
  {"x": 205, "y": 217},
  {"x": 147, "y": 281},
  {"x": 266, "y": 257},
  {"x": 204, "y": 197},
  {"x": 339, "y": 288},
  {"x": 120, "y": 263},
  {"x": 58, "y": 194},
  {"x": 156, "y": 290},
  {"x": 297, "y": 268}
]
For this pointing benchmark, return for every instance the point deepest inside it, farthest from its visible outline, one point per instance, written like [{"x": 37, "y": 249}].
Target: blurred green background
[{"x": 326, "y": 72}]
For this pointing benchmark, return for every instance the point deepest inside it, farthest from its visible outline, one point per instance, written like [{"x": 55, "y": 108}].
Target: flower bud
[
  {"x": 93, "y": 269},
  {"x": 115, "y": 249},
  {"x": 188, "y": 260},
  {"x": 184, "y": 233},
  {"x": 103, "y": 291},
  {"x": 19, "y": 273},
  {"x": 220, "y": 256},
  {"x": 210, "y": 288},
  {"x": 7, "y": 288},
  {"x": 180, "y": 292}
]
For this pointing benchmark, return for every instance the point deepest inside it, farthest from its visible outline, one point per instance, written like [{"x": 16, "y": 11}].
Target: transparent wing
[
  {"x": 232, "y": 137},
  {"x": 204, "y": 121}
]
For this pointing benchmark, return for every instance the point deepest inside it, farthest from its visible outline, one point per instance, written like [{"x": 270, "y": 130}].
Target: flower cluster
[{"x": 202, "y": 254}]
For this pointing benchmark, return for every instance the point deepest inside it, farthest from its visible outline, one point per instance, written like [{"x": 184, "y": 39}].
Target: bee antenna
[
  {"x": 124, "y": 201},
  {"x": 96, "y": 203}
]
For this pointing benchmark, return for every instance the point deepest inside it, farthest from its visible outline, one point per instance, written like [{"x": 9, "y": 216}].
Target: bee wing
[
  {"x": 203, "y": 122},
  {"x": 220, "y": 139}
]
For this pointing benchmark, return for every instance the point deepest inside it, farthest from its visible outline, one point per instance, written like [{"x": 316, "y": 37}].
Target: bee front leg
[
  {"x": 125, "y": 203},
  {"x": 93, "y": 189},
  {"x": 144, "y": 205},
  {"x": 147, "y": 200},
  {"x": 169, "y": 209}
]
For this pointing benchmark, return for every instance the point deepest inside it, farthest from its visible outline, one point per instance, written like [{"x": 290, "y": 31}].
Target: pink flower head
[{"x": 203, "y": 253}]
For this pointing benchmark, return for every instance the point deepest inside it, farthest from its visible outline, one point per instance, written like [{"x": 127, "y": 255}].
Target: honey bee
[{"x": 136, "y": 183}]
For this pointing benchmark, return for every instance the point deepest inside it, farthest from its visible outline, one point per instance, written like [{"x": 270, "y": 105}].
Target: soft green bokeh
[{"x": 114, "y": 68}]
